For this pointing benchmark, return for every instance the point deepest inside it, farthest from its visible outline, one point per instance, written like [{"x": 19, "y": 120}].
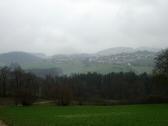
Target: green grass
[{"x": 128, "y": 115}]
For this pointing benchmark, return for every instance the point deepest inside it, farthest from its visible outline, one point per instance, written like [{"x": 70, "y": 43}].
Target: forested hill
[
  {"x": 121, "y": 60},
  {"x": 18, "y": 57}
]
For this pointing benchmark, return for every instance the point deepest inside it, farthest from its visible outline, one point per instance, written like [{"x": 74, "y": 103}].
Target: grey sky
[{"x": 69, "y": 26}]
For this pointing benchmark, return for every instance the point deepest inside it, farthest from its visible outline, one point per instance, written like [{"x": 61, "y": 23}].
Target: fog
[{"x": 81, "y": 26}]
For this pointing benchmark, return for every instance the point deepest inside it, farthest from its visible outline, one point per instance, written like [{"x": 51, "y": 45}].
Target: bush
[
  {"x": 24, "y": 98},
  {"x": 156, "y": 99}
]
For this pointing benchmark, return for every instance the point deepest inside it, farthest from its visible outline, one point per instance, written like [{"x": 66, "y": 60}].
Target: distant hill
[
  {"x": 148, "y": 49},
  {"x": 138, "y": 61},
  {"x": 18, "y": 57},
  {"x": 111, "y": 60},
  {"x": 40, "y": 55},
  {"x": 119, "y": 50}
]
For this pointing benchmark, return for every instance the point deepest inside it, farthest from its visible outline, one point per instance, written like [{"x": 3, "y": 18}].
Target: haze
[{"x": 81, "y": 26}]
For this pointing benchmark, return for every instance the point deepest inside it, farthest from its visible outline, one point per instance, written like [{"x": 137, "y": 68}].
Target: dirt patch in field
[{"x": 2, "y": 123}]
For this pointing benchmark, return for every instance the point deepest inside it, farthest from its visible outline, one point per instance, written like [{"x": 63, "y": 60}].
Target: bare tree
[
  {"x": 4, "y": 77},
  {"x": 161, "y": 66}
]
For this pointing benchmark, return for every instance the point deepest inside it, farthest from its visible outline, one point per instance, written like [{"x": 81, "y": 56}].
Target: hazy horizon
[
  {"x": 43, "y": 53},
  {"x": 71, "y": 26}
]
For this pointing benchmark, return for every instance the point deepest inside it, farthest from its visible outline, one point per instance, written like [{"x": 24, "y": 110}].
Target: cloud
[{"x": 68, "y": 26}]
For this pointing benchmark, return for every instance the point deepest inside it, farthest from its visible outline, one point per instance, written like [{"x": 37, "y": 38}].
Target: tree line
[{"x": 91, "y": 88}]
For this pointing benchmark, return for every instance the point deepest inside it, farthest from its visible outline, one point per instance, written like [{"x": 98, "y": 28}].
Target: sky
[{"x": 81, "y": 26}]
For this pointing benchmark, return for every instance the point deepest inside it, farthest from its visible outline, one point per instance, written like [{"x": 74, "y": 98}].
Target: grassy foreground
[{"x": 128, "y": 115}]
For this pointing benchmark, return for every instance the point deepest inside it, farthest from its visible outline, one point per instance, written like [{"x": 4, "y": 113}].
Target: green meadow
[{"x": 123, "y": 115}]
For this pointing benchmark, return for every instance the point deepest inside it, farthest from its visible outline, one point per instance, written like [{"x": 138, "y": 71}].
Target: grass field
[{"x": 127, "y": 115}]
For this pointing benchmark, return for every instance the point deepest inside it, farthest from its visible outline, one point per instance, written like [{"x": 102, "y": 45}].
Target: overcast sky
[{"x": 70, "y": 26}]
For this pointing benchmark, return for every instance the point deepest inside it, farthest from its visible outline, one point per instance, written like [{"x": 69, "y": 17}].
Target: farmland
[{"x": 123, "y": 115}]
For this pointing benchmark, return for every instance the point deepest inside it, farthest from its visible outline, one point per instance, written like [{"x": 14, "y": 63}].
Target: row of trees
[
  {"x": 90, "y": 88},
  {"x": 16, "y": 83}
]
